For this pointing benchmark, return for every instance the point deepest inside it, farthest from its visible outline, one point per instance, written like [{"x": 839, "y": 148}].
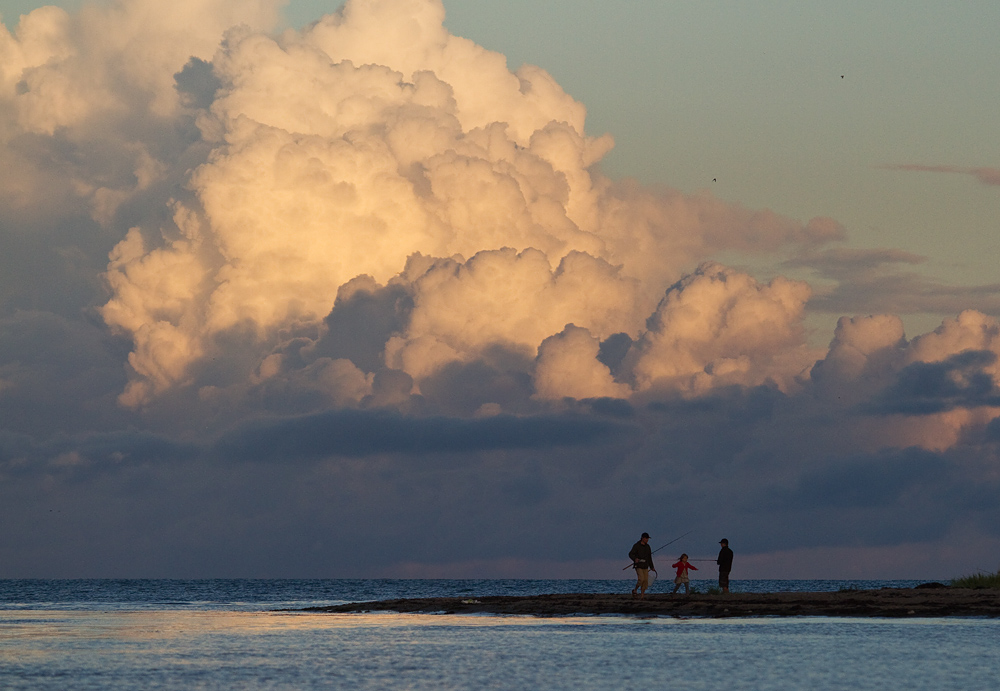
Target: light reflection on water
[{"x": 183, "y": 649}]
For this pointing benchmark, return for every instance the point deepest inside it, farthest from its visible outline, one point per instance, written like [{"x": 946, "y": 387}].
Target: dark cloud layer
[
  {"x": 292, "y": 498},
  {"x": 924, "y": 388},
  {"x": 354, "y": 433}
]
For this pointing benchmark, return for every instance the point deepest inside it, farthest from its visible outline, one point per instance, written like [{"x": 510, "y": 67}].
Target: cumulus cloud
[
  {"x": 863, "y": 352},
  {"x": 335, "y": 153},
  {"x": 568, "y": 366},
  {"x": 936, "y": 389},
  {"x": 89, "y": 99},
  {"x": 718, "y": 327},
  {"x": 459, "y": 196},
  {"x": 509, "y": 298}
]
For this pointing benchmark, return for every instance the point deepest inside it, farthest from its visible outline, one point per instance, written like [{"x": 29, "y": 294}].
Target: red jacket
[{"x": 683, "y": 566}]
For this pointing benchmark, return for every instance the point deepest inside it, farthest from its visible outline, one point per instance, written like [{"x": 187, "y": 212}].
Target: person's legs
[
  {"x": 724, "y": 581},
  {"x": 642, "y": 581}
]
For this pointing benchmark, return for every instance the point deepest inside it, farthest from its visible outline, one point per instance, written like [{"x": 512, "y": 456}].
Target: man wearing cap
[
  {"x": 642, "y": 561},
  {"x": 725, "y": 562}
]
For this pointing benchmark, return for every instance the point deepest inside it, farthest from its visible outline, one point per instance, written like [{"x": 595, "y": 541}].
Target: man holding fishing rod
[
  {"x": 725, "y": 562},
  {"x": 642, "y": 561}
]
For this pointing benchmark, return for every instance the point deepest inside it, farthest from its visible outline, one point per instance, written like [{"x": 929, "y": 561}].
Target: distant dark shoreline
[{"x": 885, "y": 602}]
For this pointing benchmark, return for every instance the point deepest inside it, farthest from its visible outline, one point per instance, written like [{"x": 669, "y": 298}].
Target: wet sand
[{"x": 886, "y": 602}]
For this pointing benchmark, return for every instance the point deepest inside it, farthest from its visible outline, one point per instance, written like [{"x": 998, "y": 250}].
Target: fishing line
[{"x": 673, "y": 541}]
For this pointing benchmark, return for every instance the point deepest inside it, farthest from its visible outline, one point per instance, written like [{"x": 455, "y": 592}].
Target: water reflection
[{"x": 181, "y": 649}]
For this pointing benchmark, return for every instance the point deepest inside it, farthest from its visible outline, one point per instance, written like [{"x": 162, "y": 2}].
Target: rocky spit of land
[{"x": 886, "y": 602}]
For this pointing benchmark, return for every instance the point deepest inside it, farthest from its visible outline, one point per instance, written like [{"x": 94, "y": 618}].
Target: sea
[{"x": 252, "y": 634}]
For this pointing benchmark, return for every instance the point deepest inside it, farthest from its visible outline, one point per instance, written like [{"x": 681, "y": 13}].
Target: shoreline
[{"x": 885, "y": 602}]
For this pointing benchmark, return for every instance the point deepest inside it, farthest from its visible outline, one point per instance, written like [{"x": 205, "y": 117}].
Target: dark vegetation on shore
[{"x": 978, "y": 581}]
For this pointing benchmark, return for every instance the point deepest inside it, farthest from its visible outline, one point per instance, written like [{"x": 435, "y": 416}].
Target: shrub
[{"x": 979, "y": 580}]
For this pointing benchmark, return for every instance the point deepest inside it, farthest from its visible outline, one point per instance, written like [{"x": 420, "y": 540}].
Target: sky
[{"x": 409, "y": 289}]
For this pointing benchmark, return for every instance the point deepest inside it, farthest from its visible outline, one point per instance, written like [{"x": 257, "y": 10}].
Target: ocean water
[{"x": 231, "y": 634}]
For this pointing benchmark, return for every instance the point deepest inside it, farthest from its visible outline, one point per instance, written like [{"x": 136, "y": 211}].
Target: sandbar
[{"x": 884, "y": 602}]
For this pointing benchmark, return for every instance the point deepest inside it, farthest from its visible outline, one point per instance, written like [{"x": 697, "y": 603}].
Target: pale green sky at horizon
[{"x": 751, "y": 95}]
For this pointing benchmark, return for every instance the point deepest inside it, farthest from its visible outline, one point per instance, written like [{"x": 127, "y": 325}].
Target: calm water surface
[{"x": 221, "y": 635}]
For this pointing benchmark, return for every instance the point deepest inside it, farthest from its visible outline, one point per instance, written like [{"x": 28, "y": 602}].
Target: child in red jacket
[{"x": 682, "y": 578}]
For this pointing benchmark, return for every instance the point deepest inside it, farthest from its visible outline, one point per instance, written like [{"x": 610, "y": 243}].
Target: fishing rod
[{"x": 661, "y": 547}]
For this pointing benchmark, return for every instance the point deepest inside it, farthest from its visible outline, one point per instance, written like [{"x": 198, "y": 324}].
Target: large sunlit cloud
[
  {"x": 374, "y": 136},
  {"x": 375, "y": 212},
  {"x": 423, "y": 164}
]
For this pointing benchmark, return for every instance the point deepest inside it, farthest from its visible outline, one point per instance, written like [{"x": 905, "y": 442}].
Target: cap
[
  {"x": 645, "y": 535},
  {"x": 723, "y": 541}
]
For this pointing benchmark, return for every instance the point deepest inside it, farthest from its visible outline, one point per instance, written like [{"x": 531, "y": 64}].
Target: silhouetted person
[
  {"x": 642, "y": 561},
  {"x": 725, "y": 562},
  {"x": 682, "y": 577}
]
